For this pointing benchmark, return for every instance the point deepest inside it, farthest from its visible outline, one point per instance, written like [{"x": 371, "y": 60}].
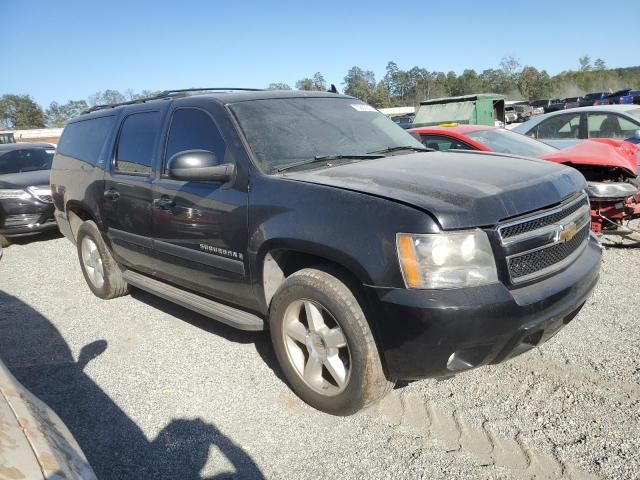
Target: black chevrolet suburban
[{"x": 368, "y": 257}]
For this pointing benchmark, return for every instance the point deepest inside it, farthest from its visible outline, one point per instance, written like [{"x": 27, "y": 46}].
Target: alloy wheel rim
[
  {"x": 316, "y": 347},
  {"x": 92, "y": 262}
]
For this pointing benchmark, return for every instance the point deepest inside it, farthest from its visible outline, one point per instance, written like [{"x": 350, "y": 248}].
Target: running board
[{"x": 223, "y": 313}]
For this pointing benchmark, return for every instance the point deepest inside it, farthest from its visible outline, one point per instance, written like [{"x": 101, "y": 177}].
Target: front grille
[
  {"x": 540, "y": 222},
  {"x": 543, "y": 243},
  {"x": 540, "y": 260}
]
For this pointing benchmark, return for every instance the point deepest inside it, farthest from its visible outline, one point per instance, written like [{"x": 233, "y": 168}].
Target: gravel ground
[{"x": 151, "y": 390}]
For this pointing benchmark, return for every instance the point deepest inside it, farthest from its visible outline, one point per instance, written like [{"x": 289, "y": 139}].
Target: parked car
[
  {"x": 523, "y": 112},
  {"x": 368, "y": 257},
  {"x": 621, "y": 97},
  {"x": 405, "y": 121},
  {"x": 610, "y": 166},
  {"x": 569, "y": 127},
  {"x": 510, "y": 115},
  {"x": 7, "y": 137},
  {"x": 542, "y": 104},
  {"x": 591, "y": 99},
  {"x": 25, "y": 196},
  {"x": 36, "y": 444},
  {"x": 564, "y": 104}
]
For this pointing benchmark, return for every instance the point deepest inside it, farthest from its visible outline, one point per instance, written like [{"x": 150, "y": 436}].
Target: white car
[
  {"x": 566, "y": 128},
  {"x": 34, "y": 443}
]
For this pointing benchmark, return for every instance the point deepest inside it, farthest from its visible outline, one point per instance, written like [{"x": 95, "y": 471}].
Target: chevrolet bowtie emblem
[{"x": 567, "y": 232}]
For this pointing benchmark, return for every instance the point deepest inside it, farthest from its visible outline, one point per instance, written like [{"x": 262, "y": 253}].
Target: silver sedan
[{"x": 565, "y": 128}]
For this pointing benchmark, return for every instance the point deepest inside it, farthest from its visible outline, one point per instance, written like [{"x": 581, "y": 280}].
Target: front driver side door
[
  {"x": 200, "y": 227},
  {"x": 562, "y": 131}
]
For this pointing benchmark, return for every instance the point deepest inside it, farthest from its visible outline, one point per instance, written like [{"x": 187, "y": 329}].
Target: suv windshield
[
  {"x": 288, "y": 131},
  {"x": 26, "y": 160},
  {"x": 505, "y": 141}
]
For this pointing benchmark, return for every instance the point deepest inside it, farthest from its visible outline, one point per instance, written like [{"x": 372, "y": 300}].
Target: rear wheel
[
  {"x": 100, "y": 270},
  {"x": 324, "y": 344}
]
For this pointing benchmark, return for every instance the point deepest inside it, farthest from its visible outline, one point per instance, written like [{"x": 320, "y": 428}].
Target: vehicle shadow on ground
[
  {"x": 261, "y": 340},
  {"x": 38, "y": 356}
]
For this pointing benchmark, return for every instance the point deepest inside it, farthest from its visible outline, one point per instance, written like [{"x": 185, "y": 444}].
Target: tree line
[{"x": 397, "y": 87}]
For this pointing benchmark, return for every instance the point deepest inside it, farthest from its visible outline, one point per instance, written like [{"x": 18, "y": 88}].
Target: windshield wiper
[
  {"x": 404, "y": 147},
  {"x": 324, "y": 158}
]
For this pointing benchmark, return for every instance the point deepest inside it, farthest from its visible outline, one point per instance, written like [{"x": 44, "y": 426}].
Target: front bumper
[
  {"x": 25, "y": 217},
  {"x": 431, "y": 333}
]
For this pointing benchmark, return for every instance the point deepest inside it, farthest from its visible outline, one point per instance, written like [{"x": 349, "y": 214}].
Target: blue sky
[{"x": 61, "y": 50}]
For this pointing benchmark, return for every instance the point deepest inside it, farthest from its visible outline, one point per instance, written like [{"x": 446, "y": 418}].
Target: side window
[
  {"x": 194, "y": 129},
  {"x": 562, "y": 126},
  {"x": 608, "y": 125},
  {"x": 137, "y": 140},
  {"x": 442, "y": 143},
  {"x": 84, "y": 140}
]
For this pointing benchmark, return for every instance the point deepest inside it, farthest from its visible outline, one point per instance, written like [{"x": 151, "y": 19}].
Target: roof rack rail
[{"x": 167, "y": 94}]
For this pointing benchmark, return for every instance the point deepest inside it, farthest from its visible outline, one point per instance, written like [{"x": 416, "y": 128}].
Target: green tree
[
  {"x": 380, "y": 97},
  {"x": 278, "y": 86},
  {"x": 599, "y": 64},
  {"x": 57, "y": 115},
  {"x": 108, "y": 97},
  {"x": 469, "y": 82},
  {"x": 20, "y": 112},
  {"x": 495, "y": 81},
  {"x": 532, "y": 83},
  {"x": 360, "y": 83},
  {"x": 316, "y": 83},
  {"x": 585, "y": 63},
  {"x": 452, "y": 84}
]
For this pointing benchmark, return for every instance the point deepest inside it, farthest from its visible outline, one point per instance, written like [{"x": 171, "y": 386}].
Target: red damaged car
[{"x": 610, "y": 166}]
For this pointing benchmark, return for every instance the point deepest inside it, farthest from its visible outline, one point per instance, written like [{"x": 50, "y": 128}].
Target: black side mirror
[{"x": 199, "y": 165}]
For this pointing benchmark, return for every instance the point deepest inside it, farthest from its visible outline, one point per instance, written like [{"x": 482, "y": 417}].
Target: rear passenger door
[
  {"x": 200, "y": 227},
  {"x": 610, "y": 125},
  {"x": 127, "y": 196}
]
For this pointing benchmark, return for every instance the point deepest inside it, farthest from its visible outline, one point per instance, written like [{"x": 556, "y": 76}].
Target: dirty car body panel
[
  {"x": 347, "y": 213},
  {"x": 35, "y": 442}
]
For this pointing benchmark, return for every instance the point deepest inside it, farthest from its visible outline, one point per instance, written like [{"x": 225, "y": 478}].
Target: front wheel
[
  {"x": 324, "y": 344},
  {"x": 100, "y": 270}
]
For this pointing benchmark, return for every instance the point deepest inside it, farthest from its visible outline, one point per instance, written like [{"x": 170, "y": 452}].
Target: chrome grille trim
[
  {"x": 504, "y": 230},
  {"x": 548, "y": 241},
  {"x": 554, "y": 266},
  {"x": 41, "y": 192}
]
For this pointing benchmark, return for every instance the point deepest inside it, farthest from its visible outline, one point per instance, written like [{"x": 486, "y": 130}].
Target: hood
[
  {"x": 601, "y": 153},
  {"x": 459, "y": 189},
  {"x": 25, "y": 179}
]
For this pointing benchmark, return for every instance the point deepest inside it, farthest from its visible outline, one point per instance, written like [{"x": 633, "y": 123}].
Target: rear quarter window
[{"x": 84, "y": 140}]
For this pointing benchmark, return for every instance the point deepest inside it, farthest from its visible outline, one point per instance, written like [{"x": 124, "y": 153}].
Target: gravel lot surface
[{"x": 151, "y": 390}]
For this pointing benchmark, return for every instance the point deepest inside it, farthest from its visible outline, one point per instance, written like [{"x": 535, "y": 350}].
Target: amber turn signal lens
[{"x": 409, "y": 261}]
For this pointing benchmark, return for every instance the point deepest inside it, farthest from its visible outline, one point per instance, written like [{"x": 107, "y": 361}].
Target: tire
[
  {"x": 337, "y": 390},
  {"x": 100, "y": 270},
  {"x": 4, "y": 241}
]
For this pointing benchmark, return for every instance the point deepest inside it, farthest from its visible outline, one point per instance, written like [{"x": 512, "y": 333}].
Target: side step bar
[{"x": 223, "y": 313}]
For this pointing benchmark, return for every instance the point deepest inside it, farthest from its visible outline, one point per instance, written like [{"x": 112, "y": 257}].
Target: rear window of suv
[{"x": 84, "y": 140}]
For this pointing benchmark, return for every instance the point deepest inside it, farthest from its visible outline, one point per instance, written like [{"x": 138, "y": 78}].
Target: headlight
[
  {"x": 20, "y": 194},
  {"x": 446, "y": 260}
]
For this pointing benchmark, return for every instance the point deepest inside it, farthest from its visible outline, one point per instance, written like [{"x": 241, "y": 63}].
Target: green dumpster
[{"x": 481, "y": 109}]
